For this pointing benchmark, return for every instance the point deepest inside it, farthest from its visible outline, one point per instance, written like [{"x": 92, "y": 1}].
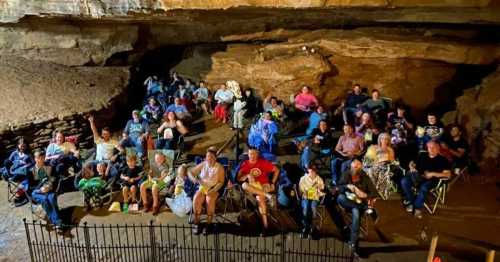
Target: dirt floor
[{"x": 468, "y": 224}]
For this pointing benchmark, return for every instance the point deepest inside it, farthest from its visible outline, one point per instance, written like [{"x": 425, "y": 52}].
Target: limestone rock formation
[
  {"x": 402, "y": 66},
  {"x": 39, "y": 97},
  {"x": 478, "y": 111},
  {"x": 70, "y": 45}
]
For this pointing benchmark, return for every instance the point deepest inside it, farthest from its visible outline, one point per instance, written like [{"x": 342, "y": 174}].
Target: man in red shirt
[{"x": 254, "y": 173}]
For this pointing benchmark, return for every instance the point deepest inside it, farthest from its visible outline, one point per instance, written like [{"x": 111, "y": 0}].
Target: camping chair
[
  {"x": 437, "y": 195},
  {"x": 179, "y": 146},
  {"x": 107, "y": 195},
  {"x": 226, "y": 193},
  {"x": 321, "y": 212},
  {"x": 170, "y": 158},
  {"x": 363, "y": 220}
]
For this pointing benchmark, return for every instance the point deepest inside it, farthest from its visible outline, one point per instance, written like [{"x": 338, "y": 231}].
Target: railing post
[
  {"x": 217, "y": 247},
  {"x": 283, "y": 246},
  {"x": 28, "y": 237},
  {"x": 152, "y": 239},
  {"x": 86, "y": 237}
]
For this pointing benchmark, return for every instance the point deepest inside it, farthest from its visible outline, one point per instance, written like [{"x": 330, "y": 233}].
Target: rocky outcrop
[
  {"x": 402, "y": 66},
  {"x": 13, "y": 10},
  {"x": 64, "y": 44},
  {"x": 39, "y": 97},
  {"x": 478, "y": 111}
]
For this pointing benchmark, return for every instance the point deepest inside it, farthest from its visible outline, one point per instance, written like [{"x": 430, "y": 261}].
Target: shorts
[{"x": 149, "y": 184}]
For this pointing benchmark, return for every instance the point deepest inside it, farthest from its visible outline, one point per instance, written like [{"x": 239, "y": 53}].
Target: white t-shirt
[{"x": 104, "y": 149}]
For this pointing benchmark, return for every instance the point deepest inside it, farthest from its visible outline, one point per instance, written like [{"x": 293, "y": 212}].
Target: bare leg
[
  {"x": 197, "y": 206},
  {"x": 263, "y": 210},
  {"x": 133, "y": 193},
  {"x": 125, "y": 194},
  {"x": 211, "y": 200},
  {"x": 144, "y": 195}
]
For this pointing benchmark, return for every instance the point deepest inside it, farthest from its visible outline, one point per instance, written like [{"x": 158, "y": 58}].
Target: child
[
  {"x": 91, "y": 184},
  {"x": 311, "y": 186},
  {"x": 130, "y": 176},
  {"x": 180, "y": 179}
]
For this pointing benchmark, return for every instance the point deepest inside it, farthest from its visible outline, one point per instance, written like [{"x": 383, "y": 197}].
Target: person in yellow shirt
[{"x": 311, "y": 188}]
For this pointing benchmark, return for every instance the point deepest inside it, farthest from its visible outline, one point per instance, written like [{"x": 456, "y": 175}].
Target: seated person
[
  {"x": 190, "y": 86},
  {"x": 424, "y": 175},
  {"x": 19, "y": 163},
  {"x": 224, "y": 98},
  {"x": 209, "y": 175},
  {"x": 375, "y": 105},
  {"x": 254, "y": 174},
  {"x": 399, "y": 126},
  {"x": 251, "y": 103},
  {"x": 320, "y": 146},
  {"x": 271, "y": 104},
  {"x": 179, "y": 109},
  {"x": 432, "y": 130},
  {"x": 311, "y": 188},
  {"x": 314, "y": 119},
  {"x": 152, "y": 112},
  {"x": 352, "y": 103},
  {"x": 350, "y": 146},
  {"x": 153, "y": 86},
  {"x": 366, "y": 129},
  {"x": 306, "y": 102},
  {"x": 93, "y": 183},
  {"x": 106, "y": 147},
  {"x": 455, "y": 148},
  {"x": 41, "y": 184},
  {"x": 263, "y": 133},
  {"x": 179, "y": 185},
  {"x": 201, "y": 97},
  {"x": 62, "y": 154},
  {"x": 170, "y": 131},
  {"x": 135, "y": 134},
  {"x": 356, "y": 190},
  {"x": 159, "y": 177},
  {"x": 130, "y": 177},
  {"x": 184, "y": 94},
  {"x": 378, "y": 159}
]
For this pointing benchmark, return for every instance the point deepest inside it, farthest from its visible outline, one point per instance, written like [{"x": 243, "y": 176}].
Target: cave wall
[{"x": 406, "y": 48}]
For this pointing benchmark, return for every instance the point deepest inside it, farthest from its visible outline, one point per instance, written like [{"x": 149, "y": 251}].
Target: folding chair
[
  {"x": 363, "y": 221},
  {"x": 320, "y": 214},
  {"x": 437, "y": 195}
]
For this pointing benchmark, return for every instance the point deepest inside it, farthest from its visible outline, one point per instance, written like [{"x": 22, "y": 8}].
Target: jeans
[
  {"x": 357, "y": 210},
  {"x": 136, "y": 143},
  {"x": 49, "y": 204},
  {"x": 61, "y": 164},
  {"x": 407, "y": 184},
  {"x": 338, "y": 166},
  {"x": 309, "y": 211}
]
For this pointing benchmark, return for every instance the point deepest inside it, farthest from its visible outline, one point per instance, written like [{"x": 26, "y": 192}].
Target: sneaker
[
  {"x": 304, "y": 234},
  {"x": 418, "y": 214},
  {"x": 197, "y": 229},
  {"x": 409, "y": 208},
  {"x": 208, "y": 229},
  {"x": 125, "y": 208}
]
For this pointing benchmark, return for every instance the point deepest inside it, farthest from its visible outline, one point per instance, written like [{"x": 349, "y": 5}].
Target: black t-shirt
[
  {"x": 131, "y": 173},
  {"x": 353, "y": 100},
  {"x": 325, "y": 138},
  {"x": 436, "y": 164},
  {"x": 455, "y": 145},
  {"x": 365, "y": 184}
]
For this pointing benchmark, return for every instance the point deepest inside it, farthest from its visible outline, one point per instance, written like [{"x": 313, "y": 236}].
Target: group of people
[{"x": 381, "y": 151}]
